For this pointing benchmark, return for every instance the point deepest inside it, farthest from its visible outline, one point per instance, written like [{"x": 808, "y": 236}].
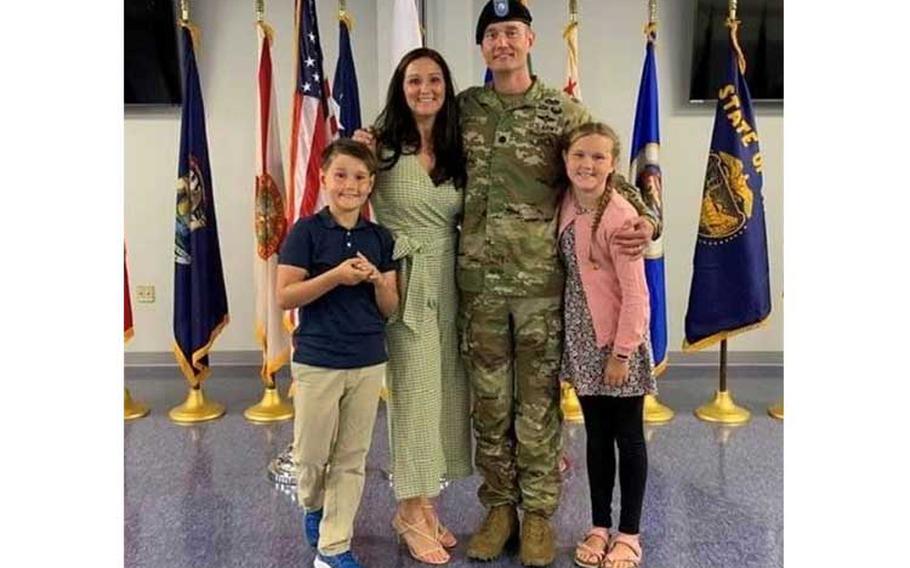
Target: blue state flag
[
  {"x": 730, "y": 290},
  {"x": 200, "y": 301},
  {"x": 645, "y": 172},
  {"x": 344, "y": 89}
]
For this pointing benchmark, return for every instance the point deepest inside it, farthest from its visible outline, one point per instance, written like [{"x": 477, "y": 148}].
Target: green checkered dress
[{"x": 429, "y": 400}]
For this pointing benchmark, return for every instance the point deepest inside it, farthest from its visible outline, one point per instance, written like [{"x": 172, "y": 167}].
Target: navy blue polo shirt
[{"x": 343, "y": 328}]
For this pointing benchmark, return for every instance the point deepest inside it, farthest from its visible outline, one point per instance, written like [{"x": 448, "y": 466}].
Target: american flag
[{"x": 312, "y": 126}]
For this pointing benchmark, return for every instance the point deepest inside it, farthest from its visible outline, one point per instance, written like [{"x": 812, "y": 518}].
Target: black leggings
[{"x": 618, "y": 420}]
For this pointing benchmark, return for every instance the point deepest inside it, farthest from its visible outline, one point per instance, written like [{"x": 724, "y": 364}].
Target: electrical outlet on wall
[{"x": 145, "y": 294}]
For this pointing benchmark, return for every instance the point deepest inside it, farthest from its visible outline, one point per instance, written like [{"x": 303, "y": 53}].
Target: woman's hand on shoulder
[{"x": 366, "y": 136}]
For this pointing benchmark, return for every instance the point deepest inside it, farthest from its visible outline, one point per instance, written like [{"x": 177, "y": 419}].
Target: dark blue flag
[
  {"x": 200, "y": 301},
  {"x": 344, "y": 90},
  {"x": 730, "y": 290},
  {"x": 645, "y": 172}
]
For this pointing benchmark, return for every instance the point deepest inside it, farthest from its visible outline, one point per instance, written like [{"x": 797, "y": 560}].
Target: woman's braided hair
[{"x": 614, "y": 180}]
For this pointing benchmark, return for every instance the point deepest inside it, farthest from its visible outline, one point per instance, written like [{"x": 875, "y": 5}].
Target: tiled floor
[{"x": 198, "y": 496}]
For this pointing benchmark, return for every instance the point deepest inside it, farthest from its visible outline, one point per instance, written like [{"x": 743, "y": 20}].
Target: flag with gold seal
[
  {"x": 200, "y": 299},
  {"x": 730, "y": 291},
  {"x": 269, "y": 221}
]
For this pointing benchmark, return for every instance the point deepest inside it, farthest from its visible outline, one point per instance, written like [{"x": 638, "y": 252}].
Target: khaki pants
[{"x": 334, "y": 413}]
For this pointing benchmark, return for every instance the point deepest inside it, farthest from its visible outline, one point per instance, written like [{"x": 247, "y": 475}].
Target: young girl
[{"x": 607, "y": 354}]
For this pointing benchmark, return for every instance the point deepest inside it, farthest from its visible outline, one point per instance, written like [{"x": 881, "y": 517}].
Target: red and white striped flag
[
  {"x": 312, "y": 127},
  {"x": 269, "y": 219}
]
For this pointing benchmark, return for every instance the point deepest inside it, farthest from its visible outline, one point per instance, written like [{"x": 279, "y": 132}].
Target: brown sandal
[
  {"x": 412, "y": 534},
  {"x": 631, "y": 544},
  {"x": 443, "y": 535},
  {"x": 595, "y": 554}
]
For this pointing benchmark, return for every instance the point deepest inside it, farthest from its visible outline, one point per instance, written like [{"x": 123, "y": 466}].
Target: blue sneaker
[
  {"x": 343, "y": 560},
  {"x": 311, "y": 522}
]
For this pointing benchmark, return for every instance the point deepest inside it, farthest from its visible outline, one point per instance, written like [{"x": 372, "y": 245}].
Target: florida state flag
[{"x": 269, "y": 218}]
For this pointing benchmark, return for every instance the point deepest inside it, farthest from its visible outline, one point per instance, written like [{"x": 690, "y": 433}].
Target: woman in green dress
[{"x": 418, "y": 196}]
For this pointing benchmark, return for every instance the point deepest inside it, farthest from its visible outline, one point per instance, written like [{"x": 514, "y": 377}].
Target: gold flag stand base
[
  {"x": 777, "y": 411},
  {"x": 132, "y": 409},
  {"x": 655, "y": 412},
  {"x": 196, "y": 408},
  {"x": 571, "y": 408},
  {"x": 723, "y": 410},
  {"x": 270, "y": 409}
]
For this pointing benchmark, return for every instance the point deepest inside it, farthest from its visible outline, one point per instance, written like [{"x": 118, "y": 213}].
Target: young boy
[{"x": 337, "y": 268}]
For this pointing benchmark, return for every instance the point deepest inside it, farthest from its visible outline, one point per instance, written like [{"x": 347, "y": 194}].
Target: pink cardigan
[{"x": 614, "y": 285}]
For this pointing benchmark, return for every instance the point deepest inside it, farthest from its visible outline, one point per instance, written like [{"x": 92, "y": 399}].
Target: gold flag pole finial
[
  {"x": 260, "y": 20},
  {"x": 185, "y": 22},
  {"x": 651, "y": 26},
  {"x": 344, "y": 15}
]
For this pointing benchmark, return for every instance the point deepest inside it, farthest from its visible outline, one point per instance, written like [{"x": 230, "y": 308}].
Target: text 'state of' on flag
[{"x": 730, "y": 290}]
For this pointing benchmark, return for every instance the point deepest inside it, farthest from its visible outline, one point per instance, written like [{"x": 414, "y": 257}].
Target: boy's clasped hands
[{"x": 355, "y": 270}]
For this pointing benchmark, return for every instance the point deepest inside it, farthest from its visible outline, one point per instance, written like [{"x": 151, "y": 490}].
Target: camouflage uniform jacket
[{"x": 508, "y": 243}]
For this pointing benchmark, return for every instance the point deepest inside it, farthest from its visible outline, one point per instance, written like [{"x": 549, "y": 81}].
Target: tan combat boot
[
  {"x": 538, "y": 547},
  {"x": 500, "y": 527}
]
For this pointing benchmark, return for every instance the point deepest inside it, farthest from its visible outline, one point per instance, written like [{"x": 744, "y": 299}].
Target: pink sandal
[{"x": 594, "y": 554}]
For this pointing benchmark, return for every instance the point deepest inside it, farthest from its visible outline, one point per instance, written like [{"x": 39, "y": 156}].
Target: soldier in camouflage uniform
[{"x": 511, "y": 283}]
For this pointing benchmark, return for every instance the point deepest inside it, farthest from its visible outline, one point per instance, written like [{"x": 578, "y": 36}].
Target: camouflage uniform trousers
[{"x": 511, "y": 348}]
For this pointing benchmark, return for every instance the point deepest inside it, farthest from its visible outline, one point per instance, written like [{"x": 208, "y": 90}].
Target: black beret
[{"x": 501, "y": 11}]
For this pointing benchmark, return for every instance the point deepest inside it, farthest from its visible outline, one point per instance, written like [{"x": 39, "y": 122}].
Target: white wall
[{"x": 611, "y": 53}]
